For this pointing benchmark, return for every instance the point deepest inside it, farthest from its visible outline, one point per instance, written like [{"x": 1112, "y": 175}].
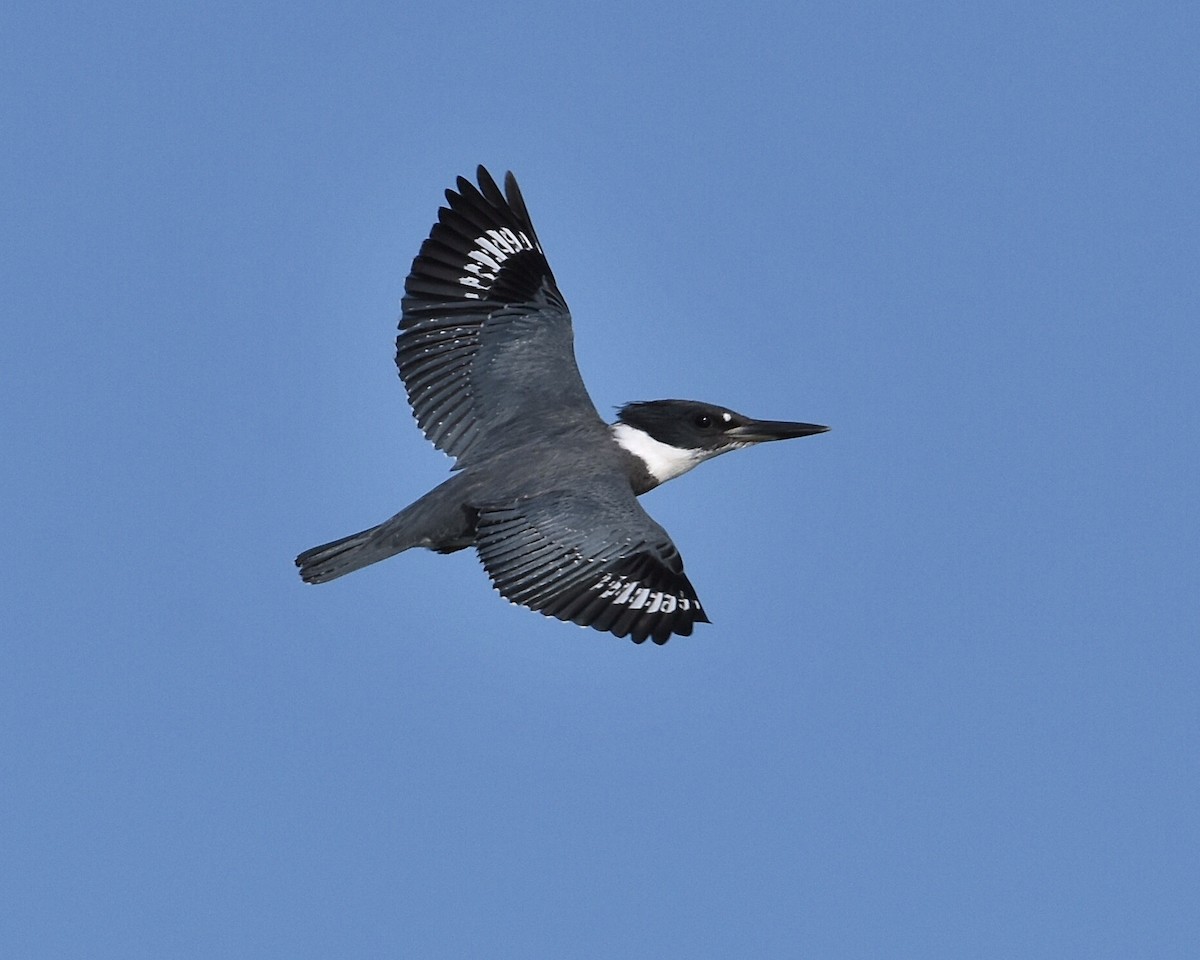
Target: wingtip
[{"x": 487, "y": 184}]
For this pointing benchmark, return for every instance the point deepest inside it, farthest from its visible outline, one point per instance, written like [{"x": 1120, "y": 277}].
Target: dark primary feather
[
  {"x": 622, "y": 574},
  {"x": 486, "y": 336}
]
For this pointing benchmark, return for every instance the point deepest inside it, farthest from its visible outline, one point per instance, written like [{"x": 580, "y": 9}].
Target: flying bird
[{"x": 543, "y": 488}]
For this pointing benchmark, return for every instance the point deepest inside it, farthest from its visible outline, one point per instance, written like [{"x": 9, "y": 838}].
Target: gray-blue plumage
[{"x": 544, "y": 489}]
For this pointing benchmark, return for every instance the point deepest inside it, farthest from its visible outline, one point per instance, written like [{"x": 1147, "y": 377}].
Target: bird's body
[
  {"x": 544, "y": 489},
  {"x": 440, "y": 521}
]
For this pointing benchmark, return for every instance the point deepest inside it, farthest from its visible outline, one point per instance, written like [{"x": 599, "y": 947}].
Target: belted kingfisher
[{"x": 544, "y": 489}]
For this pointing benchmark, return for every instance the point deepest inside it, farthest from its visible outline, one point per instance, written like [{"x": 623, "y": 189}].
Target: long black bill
[{"x": 759, "y": 431}]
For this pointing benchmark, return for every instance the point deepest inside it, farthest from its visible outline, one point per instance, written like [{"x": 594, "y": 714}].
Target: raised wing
[
  {"x": 485, "y": 336},
  {"x": 598, "y": 562}
]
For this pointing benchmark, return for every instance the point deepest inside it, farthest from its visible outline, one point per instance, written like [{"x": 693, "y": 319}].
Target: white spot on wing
[
  {"x": 494, "y": 248},
  {"x": 625, "y": 592}
]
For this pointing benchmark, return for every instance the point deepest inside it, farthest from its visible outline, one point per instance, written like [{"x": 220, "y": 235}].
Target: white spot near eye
[{"x": 726, "y": 417}]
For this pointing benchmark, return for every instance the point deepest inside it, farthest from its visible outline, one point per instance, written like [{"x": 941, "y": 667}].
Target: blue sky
[{"x": 948, "y": 703}]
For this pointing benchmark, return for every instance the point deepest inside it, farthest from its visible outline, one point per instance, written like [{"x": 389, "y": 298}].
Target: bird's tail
[
  {"x": 332, "y": 560},
  {"x": 439, "y": 521}
]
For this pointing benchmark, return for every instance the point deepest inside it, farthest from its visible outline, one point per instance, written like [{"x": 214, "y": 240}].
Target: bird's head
[{"x": 672, "y": 436}]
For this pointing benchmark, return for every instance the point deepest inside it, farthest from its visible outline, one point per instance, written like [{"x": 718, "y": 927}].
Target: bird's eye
[{"x": 703, "y": 421}]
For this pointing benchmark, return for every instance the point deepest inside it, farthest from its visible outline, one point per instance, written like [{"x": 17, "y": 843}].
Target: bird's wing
[
  {"x": 485, "y": 336},
  {"x": 598, "y": 561}
]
